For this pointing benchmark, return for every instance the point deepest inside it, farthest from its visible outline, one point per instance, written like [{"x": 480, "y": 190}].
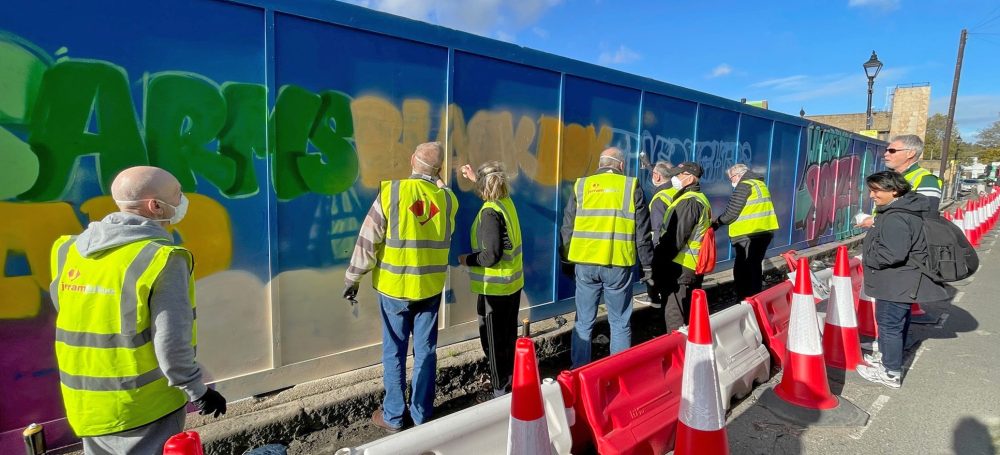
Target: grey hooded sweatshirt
[{"x": 169, "y": 307}]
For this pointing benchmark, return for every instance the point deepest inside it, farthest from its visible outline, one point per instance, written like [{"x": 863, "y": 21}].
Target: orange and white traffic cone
[
  {"x": 970, "y": 226},
  {"x": 841, "y": 343},
  {"x": 957, "y": 219},
  {"x": 528, "y": 432},
  {"x": 804, "y": 382},
  {"x": 702, "y": 420},
  {"x": 186, "y": 443}
]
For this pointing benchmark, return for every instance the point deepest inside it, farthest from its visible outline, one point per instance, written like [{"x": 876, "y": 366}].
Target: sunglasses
[{"x": 888, "y": 150}]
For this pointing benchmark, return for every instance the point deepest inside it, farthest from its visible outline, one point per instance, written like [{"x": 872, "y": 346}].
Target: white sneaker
[
  {"x": 879, "y": 375},
  {"x": 874, "y": 359}
]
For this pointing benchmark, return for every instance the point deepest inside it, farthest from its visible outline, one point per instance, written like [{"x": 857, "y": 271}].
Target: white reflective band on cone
[
  {"x": 842, "y": 299},
  {"x": 959, "y": 223},
  {"x": 527, "y": 437},
  {"x": 701, "y": 400},
  {"x": 803, "y": 326}
]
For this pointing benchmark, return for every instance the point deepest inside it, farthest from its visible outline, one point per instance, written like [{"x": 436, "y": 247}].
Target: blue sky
[{"x": 804, "y": 54}]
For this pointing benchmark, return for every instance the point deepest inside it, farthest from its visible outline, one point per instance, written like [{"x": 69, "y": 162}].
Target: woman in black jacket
[{"x": 892, "y": 249}]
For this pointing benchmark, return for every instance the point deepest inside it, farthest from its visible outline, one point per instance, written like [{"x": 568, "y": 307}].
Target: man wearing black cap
[
  {"x": 684, "y": 226},
  {"x": 663, "y": 196}
]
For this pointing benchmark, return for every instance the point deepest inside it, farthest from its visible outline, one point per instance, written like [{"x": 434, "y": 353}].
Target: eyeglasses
[{"x": 888, "y": 150}]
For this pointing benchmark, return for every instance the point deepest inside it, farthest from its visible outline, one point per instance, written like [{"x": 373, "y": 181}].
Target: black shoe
[{"x": 380, "y": 422}]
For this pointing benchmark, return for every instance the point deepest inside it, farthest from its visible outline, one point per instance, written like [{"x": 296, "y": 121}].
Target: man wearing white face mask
[
  {"x": 752, "y": 222},
  {"x": 126, "y": 330},
  {"x": 684, "y": 226}
]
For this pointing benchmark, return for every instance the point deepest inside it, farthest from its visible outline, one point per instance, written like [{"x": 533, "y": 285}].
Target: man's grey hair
[
  {"x": 429, "y": 157},
  {"x": 612, "y": 156},
  {"x": 737, "y": 169},
  {"x": 662, "y": 168},
  {"x": 911, "y": 142}
]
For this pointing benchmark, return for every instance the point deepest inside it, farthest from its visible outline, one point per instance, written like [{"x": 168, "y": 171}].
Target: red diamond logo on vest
[
  {"x": 424, "y": 211},
  {"x": 73, "y": 274}
]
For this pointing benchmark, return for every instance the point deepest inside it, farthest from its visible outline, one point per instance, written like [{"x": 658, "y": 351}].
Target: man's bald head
[
  {"x": 137, "y": 188},
  {"x": 427, "y": 158},
  {"x": 612, "y": 157}
]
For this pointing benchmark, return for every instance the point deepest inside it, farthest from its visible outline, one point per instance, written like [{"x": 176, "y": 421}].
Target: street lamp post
[{"x": 872, "y": 67}]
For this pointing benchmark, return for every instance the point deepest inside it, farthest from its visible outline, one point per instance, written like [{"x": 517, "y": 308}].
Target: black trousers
[
  {"x": 498, "y": 334},
  {"x": 748, "y": 266},
  {"x": 676, "y": 292}
]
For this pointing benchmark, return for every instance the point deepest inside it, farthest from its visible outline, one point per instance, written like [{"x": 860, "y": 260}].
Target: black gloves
[
  {"x": 211, "y": 402},
  {"x": 351, "y": 291},
  {"x": 647, "y": 277}
]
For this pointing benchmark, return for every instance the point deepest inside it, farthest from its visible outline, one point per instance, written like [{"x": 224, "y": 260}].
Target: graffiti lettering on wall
[
  {"x": 830, "y": 186},
  {"x": 714, "y": 156}
]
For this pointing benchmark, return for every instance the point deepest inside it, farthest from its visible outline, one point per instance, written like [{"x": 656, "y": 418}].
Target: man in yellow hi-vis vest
[
  {"x": 605, "y": 225},
  {"x": 903, "y": 155},
  {"x": 663, "y": 196},
  {"x": 126, "y": 330},
  {"x": 684, "y": 226},
  {"x": 752, "y": 223},
  {"x": 405, "y": 242}
]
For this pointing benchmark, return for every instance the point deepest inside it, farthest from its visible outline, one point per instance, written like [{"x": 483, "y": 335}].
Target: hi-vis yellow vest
[
  {"x": 108, "y": 372},
  {"x": 505, "y": 277},
  {"x": 688, "y": 257},
  {"x": 604, "y": 228},
  {"x": 420, "y": 218},
  {"x": 666, "y": 195},
  {"x": 916, "y": 176},
  {"x": 758, "y": 214}
]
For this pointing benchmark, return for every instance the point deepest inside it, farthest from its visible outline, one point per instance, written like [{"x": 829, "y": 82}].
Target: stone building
[{"x": 908, "y": 114}]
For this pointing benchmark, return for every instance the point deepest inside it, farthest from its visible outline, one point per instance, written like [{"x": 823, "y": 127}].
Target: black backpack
[{"x": 950, "y": 256}]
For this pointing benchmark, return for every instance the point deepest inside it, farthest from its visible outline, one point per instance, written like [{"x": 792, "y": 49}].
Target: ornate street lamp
[{"x": 872, "y": 67}]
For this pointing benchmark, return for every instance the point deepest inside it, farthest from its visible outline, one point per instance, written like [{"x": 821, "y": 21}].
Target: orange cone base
[
  {"x": 691, "y": 441},
  {"x": 866, "y": 319},
  {"x": 804, "y": 383},
  {"x": 841, "y": 347},
  {"x": 916, "y": 310}
]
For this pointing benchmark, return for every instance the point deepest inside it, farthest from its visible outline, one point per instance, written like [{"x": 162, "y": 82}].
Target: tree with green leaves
[
  {"x": 935, "y": 137},
  {"x": 989, "y": 139}
]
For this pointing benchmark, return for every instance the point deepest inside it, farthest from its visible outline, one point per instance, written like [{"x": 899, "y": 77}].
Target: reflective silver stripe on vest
[
  {"x": 60, "y": 263},
  {"x": 496, "y": 279},
  {"x": 103, "y": 340},
  {"x": 129, "y": 303},
  {"x": 759, "y": 201},
  {"x": 605, "y": 212},
  {"x": 394, "y": 211},
  {"x": 100, "y": 384},
  {"x": 429, "y": 244},
  {"x": 755, "y": 215},
  {"x": 413, "y": 270},
  {"x": 627, "y": 198},
  {"x": 630, "y": 237},
  {"x": 756, "y": 187},
  {"x": 511, "y": 255}
]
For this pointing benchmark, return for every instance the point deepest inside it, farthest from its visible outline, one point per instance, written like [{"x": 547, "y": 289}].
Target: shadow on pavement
[{"x": 972, "y": 437}]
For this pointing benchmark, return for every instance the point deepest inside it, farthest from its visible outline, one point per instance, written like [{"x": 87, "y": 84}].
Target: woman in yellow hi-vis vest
[{"x": 496, "y": 270}]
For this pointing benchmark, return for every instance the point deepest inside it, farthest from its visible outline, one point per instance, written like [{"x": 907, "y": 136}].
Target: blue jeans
[
  {"x": 400, "y": 319},
  {"x": 615, "y": 283},
  {"x": 893, "y": 323}
]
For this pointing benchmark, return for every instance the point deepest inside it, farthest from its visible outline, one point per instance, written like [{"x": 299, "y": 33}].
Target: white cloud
[
  {"x": 802, "y": 87},
  {"x": 720, "y": 70},
  {"x": 540, "y": 32},
  {"x": 504, "y": 36},
  {"x": 621, "y": 56},
  {"x": 885, "y": 5},
  {"x": 482, "y": 17}
]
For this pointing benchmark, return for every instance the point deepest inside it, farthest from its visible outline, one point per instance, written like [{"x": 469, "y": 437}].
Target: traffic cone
[
  {"x": 841, "y": 343},
  {"x": 186, "y": 443},
  {"x": 804, "y": 382},
  {"x": 957, "y": 219},
  {"x": 947, "y": 215},
  {"x": 969, "y": 226},
  {"x": 527, "y": 432},
  {"x": 701, "y": 426},
  {"x": 980, "y": 221},
  {"x": 919, "y": 316},
  {"x": 867, "y": 324}
]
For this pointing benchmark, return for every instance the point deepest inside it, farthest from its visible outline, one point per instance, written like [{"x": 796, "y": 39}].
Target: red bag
[{"x": 706, "y": 257}]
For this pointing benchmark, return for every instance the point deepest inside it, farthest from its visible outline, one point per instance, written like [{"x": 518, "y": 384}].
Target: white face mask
[
  {"x": 179, "y": 211},
  {"x": 676, "y": 183},
  {"x": 734, "y": 184}
]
